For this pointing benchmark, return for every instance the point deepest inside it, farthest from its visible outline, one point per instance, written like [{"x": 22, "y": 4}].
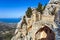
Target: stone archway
[{"x": 45, "y": 33}]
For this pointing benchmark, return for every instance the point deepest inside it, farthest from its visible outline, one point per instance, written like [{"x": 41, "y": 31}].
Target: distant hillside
[{"x": 7, "y": 30}]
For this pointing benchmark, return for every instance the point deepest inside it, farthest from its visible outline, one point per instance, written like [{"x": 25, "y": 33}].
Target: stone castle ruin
[{"x": 39, "y": 27}]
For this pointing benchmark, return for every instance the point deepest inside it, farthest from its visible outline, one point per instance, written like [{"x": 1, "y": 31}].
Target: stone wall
[{"x": 37, "y": 21}]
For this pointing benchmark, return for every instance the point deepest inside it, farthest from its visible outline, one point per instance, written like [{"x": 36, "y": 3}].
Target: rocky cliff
[{"x": 29, "y": 26}]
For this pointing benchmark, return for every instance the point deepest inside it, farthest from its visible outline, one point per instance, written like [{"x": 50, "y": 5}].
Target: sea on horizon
[{"x": 10, "y": 20}]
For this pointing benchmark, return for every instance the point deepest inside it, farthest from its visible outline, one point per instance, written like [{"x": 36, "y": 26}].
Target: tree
[
  {"x": 40, "y": 8},
  {"x": 29, "y": 12}
]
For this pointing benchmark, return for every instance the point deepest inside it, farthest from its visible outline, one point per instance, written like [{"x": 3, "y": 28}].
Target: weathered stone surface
[{"x": 37, "y": 21}]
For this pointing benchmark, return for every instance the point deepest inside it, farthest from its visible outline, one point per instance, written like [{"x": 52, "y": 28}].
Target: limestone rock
[{"x": 26, "y": 29}]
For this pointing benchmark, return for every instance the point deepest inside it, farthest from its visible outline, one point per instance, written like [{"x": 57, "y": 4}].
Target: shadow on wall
[{"x": 45, "y": 33}]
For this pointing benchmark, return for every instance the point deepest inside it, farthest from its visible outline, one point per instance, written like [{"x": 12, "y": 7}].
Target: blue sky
[{"x": 17, "y": 8}]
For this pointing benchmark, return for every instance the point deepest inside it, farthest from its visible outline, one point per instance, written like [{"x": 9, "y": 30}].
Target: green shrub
[
  {"x": 40, "y": 8},
  {"x": 29, "y": 12},
  {"x": 23, "y": 22}
]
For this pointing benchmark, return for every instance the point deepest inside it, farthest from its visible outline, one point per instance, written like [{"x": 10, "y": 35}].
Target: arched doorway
[{"x": 45, "y": 33}]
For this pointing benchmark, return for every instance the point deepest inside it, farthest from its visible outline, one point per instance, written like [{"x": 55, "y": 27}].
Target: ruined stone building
[{"x": 39, "y": 27}]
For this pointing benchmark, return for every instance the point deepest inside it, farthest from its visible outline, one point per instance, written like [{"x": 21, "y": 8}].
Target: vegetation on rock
[
  {"x": 23, "y": 22},
  {"x": 40, "y": 8},
  {"x": 29, "y": 12}
]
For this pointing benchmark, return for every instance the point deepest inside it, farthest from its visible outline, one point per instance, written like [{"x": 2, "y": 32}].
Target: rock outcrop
[{"x": 28, "y": 28}]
